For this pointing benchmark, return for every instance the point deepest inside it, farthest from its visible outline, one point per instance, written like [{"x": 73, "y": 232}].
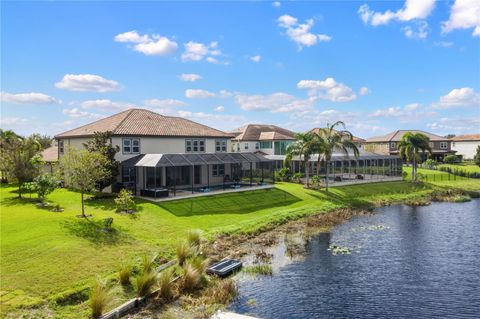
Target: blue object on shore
[{"x": 225, "y": 267}]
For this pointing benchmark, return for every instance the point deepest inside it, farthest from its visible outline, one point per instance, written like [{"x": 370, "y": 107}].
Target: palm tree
[
  {"x": 410, "y": 146},
  {"x": 329, "y": 139},
  {"x": 302, "y": 147}
]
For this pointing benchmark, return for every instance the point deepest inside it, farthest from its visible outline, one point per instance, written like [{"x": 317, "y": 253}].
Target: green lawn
[
  {"x": 45, "y": 254},
  {"x": 444, "y": 179},
  {"x": 469, "y": 168}
]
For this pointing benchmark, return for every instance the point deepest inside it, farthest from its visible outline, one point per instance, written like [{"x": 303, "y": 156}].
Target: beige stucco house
[{"x": 466, "y": 145}]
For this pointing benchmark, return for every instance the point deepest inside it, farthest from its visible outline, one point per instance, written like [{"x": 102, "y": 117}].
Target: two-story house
[
  {"x": 266, "y": 139},
  {"x": 158, "y": 153},
  {"x": 388, "y": 144},
  {"x": 466, "y": 145},
  {"x": 357, "y": 140}
]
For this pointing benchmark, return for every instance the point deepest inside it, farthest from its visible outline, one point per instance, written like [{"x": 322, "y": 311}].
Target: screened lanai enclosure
[
  {"x": 163, "y": 175},
  {"x": 347, "y": 169}
]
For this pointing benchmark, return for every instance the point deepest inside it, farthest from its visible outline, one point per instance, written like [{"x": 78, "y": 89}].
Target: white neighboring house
[
  {"x": 159, "y": 153},
  {"x": 261, "y": 138},
  {"x": 466, "y": 145}
]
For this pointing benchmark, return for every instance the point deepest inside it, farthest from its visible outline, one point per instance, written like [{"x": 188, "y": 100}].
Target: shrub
[
  {"x": 450, "y": 159},
  {"x": 296, "y": 178},
  {"x": 191, "y": 279},
  {"x": 430, "y": 163},
  {"x": 99, "y": 298},
  {"x": 199, "y": 263},
  {"x": 476, "y": 158},
  {"x": 404, "y": 175},
  {"x": 145, "y": 283},
  {"x": 125, "y": 202},
  {"x": 194, "y": 238},
  {"x": 148, "y": 262},
  {"x": 222, "y": 293},
  {"x": 165, "y": 282},
  {"x": 44, "y": 185},
  {"x": 183, "y": 251},
  {"x": 283, "y": 174},
  {"x": 124, "y": 273},
  {"x": 107, "y": 223}
]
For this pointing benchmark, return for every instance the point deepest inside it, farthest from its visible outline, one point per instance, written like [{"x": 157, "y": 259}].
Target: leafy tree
[
  {"x": 329, "y": 139},
  {"x": 44, "y": 140},
  {"x": 8, "y": 139},
  {"x": 410, "y": 147},
  {"x": 21, "y": 159},
  {"x": 302, "y": 147},
  {"x": 476, "y": 158},
  {"x": 44, "y": 185},
  {"x": 101, "y": 143},
  {"x": 124, "y": 201},
  {"x": 82, "y": 170}
]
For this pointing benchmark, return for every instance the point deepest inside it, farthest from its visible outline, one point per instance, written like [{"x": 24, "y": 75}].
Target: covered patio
[{"x": 163, "y": 175}]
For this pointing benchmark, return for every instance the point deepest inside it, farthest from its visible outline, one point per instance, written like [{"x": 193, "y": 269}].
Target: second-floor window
[
  {"x": 61, "y": 147},
  {"x": 443, "y": 145},
  {"x": 393, "y": 145},
  {"x": 194, "y": 145},
  {"x": 246, "y": 146},
  {"x": 131, "y": 146},
  {"x": 220, "y": 145},
  {"x": 257, "y": 146},
  {"x": 265, "y": 145}
]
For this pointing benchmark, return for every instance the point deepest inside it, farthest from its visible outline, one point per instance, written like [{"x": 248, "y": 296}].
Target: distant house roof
[
  {"x": 466, "y": 137},
  {"x": 50, "y": 154},
  {"x": 397, "y": 136},
  {"x": 257, "y": 132},
  {"x": 354, "y": 138},
  {"x": 141, "y": 122}
]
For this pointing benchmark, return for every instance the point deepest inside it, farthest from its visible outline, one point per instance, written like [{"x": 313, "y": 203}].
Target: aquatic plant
[
  {"x": 338, "y": 250},
  {"x": 265, "y": 270}
]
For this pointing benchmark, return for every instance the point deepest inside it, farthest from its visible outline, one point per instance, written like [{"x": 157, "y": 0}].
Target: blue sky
[{"x": 378, "y": 66}]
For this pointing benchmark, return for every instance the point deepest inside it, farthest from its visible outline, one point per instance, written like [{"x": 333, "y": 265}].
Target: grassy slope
[
  {"x": 454, "y": 182},
  {"x": 470, "y": 168},
  {"x": 44, "y": 253}
]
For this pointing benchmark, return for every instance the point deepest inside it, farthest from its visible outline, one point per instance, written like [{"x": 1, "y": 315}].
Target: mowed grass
[
  {"x": 445, "y": 179},
  {"x": 469, "y": 168},
  {"x": 44, "y": 254}
]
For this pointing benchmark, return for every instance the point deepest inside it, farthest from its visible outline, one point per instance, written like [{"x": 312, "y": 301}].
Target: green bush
[
  {"x": 451, "y": 159},
  {"x": 297, "y": 178},
  {"x": 99, "y": 298},
  {"x": 283, "y": 175},
  {"x": 476, "y": 158},
  {"x": 124, "y": 273},
  {"x": 145, "y": 283},
  {"x": 125, "y": 202},
  {"x": 430, "y": 163}
]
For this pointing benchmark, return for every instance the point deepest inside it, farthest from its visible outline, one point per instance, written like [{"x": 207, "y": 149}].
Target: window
[
  {"x": 246, "y": 146},
  {"x": 393, "y": 145},
  {"x": 128, "y": 174},
  {"x": 265, "y": 144},
  {"x": 443, "y": 145},
  {"x": 194, "y": 145},
  {"x": 453, "y": 144},
  {"x": 218, "y": 169},
  {"x": 131, "y": 146},
  {"x": 61, "y": 147},
  {"x": 281, "y": 147},
  {"x": 238, "y": 147},
  {"x": 220, "y": 145},
  {"x": 257, "y": 146}
]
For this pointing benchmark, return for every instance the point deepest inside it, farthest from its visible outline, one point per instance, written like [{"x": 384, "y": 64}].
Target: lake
[{"x": 404, "y": 262}]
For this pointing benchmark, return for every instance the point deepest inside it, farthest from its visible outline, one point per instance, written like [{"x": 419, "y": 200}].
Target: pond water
[{"x": 404, "y": 262}]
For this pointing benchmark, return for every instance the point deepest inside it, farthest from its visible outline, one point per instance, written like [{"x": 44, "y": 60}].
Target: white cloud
[
  {"x": 256, "y": 58},
  {"x": 220, "y": 108},
  {"x": 28, "y": 98},
  {"x": 87, "y": 82},
  {"x": 457, "y": 125},
  {"x": 153, "y": 44},
  {"x": 166, "y": 103},
  {"x": 364, "y": 90},
  {"x": 459, "y": 97},
  {"x": 421, "y": 31},
  {"x": 276, "y": 4},
  {"x": 8, "y": 121},
  {"x": 190, "y": 77},
  {"x": 464, "y": 14},
  {"x": 300, "y": 32},
  {"x": 105, "y": 104},
  {"x": 276, "y": 102},
  {"x": 407, "y": 114},
  {"x": 77, "y": 113},
  {"x": 197, "y": 51},
  {"x": 443, "y": 44},
  {"x": 328, "y": 89},
  {"x": 412, "y": 9},
  {"x": 198, "y": 94}
]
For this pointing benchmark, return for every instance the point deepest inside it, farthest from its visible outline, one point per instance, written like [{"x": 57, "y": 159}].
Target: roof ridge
[{"x": 126, "y": 116}]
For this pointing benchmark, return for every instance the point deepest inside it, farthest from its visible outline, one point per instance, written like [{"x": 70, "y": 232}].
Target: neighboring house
[
  {"x": 466, "y": 145},
  {"x": 388, "y": 144},
  {"x": 261, "y": 138},
  {"x": 50, "y": 157},
  {"x": 159, "y": 152},
  {"x": 357, "y": 140}
]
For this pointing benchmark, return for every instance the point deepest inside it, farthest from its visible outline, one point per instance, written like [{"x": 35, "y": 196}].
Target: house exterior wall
[
  {"x": 392, "y": 147},
  {"x": 467, "y": 149},
  {"x": 378, "y": 148},
  {"x": 254, "y": 146}
]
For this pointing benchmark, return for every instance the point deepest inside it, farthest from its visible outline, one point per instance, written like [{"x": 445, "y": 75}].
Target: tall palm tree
[
  {"x": 410, "y": 147},
  {"x": 302, "y": 147},
  {"x": 329, "y": 139}
]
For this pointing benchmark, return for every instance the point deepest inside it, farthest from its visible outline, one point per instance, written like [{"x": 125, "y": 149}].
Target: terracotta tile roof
[
  {"x": 256, "y": 132},
  {"x": 354, "y": 138},
  {"x": 466, "y": 137},
  {"x": 141, "y": 122},
  {"x": 50, "y": 154},
  {"x": 396, "y": 136}
]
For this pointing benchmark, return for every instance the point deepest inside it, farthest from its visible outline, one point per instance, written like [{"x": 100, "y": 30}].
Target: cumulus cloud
[
  {"x": 256, "y": 58},
  {"x": 12, "y": 121},
  {"x": 28, "y": 98},
  {"x": 419, "y": 31},
  {"x": 77, "y": 113},
  {"x": 464, "y": 14},
  {"x": 409, "y": 113},
  {"x": 276, "y": 102},
  {"x": 276, "y": 4},
  {"x": 166, "y": 103},
  {"x": 87, "y": 82},
  {"x": 190, "y": 77},
  {"x": 328, "y": 89},
  {"x": 300, "y": 33},
  {"x": 153, "y": 44},
  {"x": 443, "y": 44},
  {"x": 204, "y": 94},
  {"x": 459, "y": 97},
  {"x": 197, "y": 51},
  {"x": 220, "y": 108},
  {"x": 364, "y": 90},
  {"x": 105, "y": 104},
  {"x": 457, "y": 125},
  {"x": 411, "y": 10}
]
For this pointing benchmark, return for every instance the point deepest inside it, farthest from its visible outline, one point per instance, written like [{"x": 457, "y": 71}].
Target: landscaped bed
[{"x": 49, "y": 259}]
